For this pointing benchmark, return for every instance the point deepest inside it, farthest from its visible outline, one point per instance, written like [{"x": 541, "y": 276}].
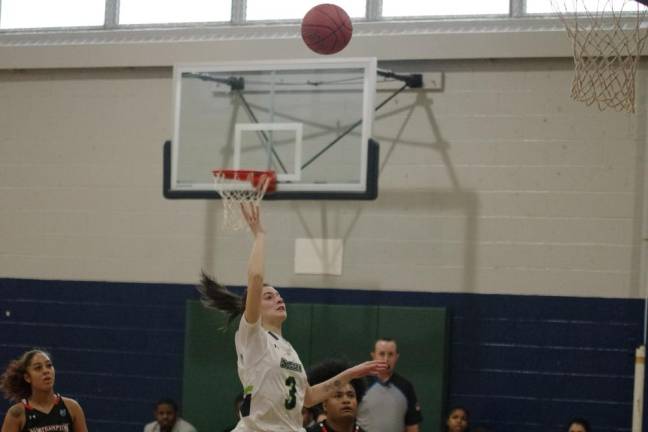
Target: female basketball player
[
  {"x": 273, "y": 377},
  {"x": 29, "y": 381},
  {"x": 340, "y": 410}
]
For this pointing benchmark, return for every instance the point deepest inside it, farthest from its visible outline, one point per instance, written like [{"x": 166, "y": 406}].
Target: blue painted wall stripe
[{"x": 516, "y": 361}]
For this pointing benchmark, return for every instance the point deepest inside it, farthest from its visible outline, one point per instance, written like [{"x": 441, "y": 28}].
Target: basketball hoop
[
  {"x": 237, "y": 187},
  {"x": 607, "y": 44}
]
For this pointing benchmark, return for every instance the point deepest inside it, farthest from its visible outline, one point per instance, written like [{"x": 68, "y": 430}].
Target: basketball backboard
[{"x": 308, "y": 120}]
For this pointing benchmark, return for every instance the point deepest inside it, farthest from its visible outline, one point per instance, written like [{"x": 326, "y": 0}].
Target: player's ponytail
[{"x": 217, "y": 296}]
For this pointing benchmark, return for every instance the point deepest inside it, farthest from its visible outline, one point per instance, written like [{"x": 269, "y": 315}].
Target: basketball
[{"x": 326, "y": 29}]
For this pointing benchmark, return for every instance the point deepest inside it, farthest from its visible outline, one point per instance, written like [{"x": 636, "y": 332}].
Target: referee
[{"x": 390, "y": 404}]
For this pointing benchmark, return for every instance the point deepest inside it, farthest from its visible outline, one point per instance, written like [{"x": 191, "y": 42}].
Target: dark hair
[
  {"x": 316, "y": 411},
  {"x": 167, "y": 401},
  {"x": 455, "y": 408},
  {"x": 581, "y": 421},
  {"x": 458, "y": 408},
  {"x": 327, "y": 369},
  {"x": 12, "y": 381},
  {"x": 217, "y": 296},
  {"x": 386, "y": 339}
]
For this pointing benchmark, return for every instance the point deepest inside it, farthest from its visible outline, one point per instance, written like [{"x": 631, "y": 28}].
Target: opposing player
[
  {"x": 29, "y": 381},
  {"x": 341, "y": 409},
  {"x": 274, "y": 381}
]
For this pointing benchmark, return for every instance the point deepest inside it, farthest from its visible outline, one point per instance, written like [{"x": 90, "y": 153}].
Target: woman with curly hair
[{"x": 29, "y": 381}]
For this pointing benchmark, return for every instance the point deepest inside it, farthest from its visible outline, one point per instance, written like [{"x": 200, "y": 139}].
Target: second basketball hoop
[{"x": 608, "y": 38}]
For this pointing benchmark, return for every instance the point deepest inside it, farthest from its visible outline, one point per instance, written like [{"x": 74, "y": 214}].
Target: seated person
[
  {"x": 342, "y": 408},
  {"x": 167, "y": 420},
  {"x": 578, "y": 425},
  {"x": 457, "y": 419}
]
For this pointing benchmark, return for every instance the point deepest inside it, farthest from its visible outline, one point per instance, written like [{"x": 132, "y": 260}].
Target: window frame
[
  {"x": 517, "y": 10},
  {"x": 516, "y": 35}
]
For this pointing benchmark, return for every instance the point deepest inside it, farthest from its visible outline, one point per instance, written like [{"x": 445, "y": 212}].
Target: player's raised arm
[{"x": 256, "y": 262}]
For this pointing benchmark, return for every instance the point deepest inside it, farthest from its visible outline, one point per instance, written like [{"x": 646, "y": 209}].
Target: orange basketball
[{"x": 326, "y": 29}]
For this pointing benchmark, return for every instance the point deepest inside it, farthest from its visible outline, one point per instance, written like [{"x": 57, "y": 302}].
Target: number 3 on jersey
[{"x": 291, "y": 402}]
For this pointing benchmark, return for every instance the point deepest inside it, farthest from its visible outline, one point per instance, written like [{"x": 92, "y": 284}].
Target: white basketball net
[
  {"x": 236, "y": 192},
  {"x": 607, "y": 38}
]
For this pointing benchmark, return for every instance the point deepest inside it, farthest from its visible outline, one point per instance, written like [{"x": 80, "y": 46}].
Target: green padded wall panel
[
  {"x": 343, "y": 332},
  {"x": 421, "y": 334},
  {"x": 297, "y": 330},
  {"x": 317, "y": 332},
  {"x": 210, "y": 381}
]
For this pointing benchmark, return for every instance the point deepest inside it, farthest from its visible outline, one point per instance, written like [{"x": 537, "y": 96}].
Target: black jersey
[
  {"x": 323, "y": 426},
  {"x": 57, "y": 420}
]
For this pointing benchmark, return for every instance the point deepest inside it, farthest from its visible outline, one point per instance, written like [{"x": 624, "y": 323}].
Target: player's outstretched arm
[
  {"x": 322, "y": 391},
  {"x": 256, "y": 262}
]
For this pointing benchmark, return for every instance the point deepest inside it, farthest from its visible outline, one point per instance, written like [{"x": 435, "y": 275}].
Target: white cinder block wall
[{"x": 499, "y": 183}]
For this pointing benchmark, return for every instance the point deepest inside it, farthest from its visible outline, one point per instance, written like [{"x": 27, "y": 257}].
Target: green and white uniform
[{"x": 273, "y": 378}]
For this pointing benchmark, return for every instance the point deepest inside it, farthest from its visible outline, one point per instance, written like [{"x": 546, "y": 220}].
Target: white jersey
[{"x": 273, "y": 379}]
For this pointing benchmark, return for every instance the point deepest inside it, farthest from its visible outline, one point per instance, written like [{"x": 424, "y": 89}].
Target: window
[
  {"x": 547, "y": 7},
  {"x": 173, "y": 11},
  {"x": 398, "y": 8},
  {"x": 30, "y": 14},
  {"x": 296, "y": 9},
  {"x": 49, "y": 13}
]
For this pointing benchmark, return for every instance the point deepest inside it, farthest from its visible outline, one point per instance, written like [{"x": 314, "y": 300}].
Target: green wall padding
[{"x": 317, "y": 332}]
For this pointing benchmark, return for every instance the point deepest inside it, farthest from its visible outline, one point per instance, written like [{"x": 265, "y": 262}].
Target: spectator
[
  {"x": 457, "y": 420},
  {"x": 167, "y": 420},
  {"x": 579, "y": 424}
]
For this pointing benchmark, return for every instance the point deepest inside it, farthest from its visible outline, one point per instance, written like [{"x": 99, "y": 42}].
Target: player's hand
[
  {"x": 372, "y": 367},
  {"x": 252, "y": 214}
]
